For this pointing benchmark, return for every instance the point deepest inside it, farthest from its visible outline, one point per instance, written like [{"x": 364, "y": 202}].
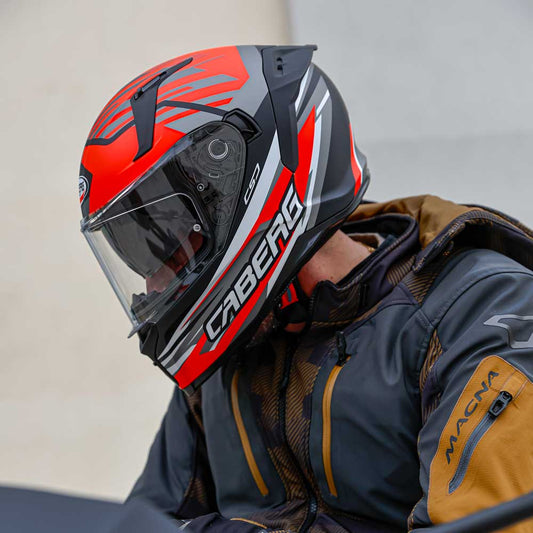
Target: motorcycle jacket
[{"x": 406, "y": 402}]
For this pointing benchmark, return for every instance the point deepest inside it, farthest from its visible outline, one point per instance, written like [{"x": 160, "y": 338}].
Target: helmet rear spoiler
[{"x": 283, "y": 68}]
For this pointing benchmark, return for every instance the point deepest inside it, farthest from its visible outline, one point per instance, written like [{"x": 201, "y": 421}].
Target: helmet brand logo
[
  {"x": 83, "y": 185},
  {"x": 253, "y": 183},
  {"x": 471, "y": 406},
  {"x": 264, "y": 256}
]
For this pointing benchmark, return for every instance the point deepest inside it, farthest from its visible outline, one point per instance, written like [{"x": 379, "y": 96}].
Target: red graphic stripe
[{"x": 198, "y": 362}]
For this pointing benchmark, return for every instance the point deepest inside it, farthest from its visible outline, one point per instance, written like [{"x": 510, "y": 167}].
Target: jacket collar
[
  {"x": 420, "y": 229},
  {"x": 371, "y": 280},
  {"x": 441, "y": 222}
]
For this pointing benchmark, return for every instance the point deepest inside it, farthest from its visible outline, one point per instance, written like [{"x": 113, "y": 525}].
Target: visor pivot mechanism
[{"x": 197, "y": 227}]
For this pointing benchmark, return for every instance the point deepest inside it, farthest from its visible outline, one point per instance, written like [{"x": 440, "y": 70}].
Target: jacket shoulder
[{"x": 440, "y": 283}]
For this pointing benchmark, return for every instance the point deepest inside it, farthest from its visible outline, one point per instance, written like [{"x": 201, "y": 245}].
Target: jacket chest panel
[
  {"x": 344, "y": 432},
  {"x": 366, "y": 418},
  {"x": 239, "y": 450}
]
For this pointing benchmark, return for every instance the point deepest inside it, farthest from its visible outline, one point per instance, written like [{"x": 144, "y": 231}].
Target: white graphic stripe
[
  {"x": 301, "y": 91},
  {"x": 355, "y": 154},
  {"x": 322, "y": 104}
]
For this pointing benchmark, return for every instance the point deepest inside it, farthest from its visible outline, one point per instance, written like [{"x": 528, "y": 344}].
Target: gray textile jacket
[{"x": 407, "y": 402}]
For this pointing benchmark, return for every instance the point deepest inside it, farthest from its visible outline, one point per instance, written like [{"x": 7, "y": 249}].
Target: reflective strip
[
  {"x": 326, "y": 428},
  {"x": 245, "y": 441}
]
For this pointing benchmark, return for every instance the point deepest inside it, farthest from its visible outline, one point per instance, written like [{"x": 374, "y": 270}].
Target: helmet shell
[{"x": 303, "y": 176}]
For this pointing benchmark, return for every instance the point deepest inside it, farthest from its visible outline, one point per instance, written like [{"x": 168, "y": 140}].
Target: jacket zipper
[
  {"x": 326, "y": 412},
  {"x": 245, "y": 441},
  {"x": 496, "y": 409},
  {"x": 312, "y": 506}
]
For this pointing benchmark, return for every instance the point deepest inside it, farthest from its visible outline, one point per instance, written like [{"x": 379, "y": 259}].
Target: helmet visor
[{"x": 155, "y": 239}]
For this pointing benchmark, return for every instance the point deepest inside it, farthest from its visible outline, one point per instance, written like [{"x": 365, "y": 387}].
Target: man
[{"x": 344, "y": 370}]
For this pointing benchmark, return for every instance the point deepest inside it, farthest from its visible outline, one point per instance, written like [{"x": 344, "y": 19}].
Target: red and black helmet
[{"x": 205, "y": 185}]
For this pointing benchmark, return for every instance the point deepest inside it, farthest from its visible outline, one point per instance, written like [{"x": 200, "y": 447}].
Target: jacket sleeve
[
  {"x": 176, "y": 478},
  {"x": 475, "y": 445}
]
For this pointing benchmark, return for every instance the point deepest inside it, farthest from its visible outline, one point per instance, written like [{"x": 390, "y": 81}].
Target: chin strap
[{"x": 293, "y": 306}]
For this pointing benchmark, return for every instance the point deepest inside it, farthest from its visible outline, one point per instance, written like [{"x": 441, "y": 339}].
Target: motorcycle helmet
[{"x": 206, "y": 183}]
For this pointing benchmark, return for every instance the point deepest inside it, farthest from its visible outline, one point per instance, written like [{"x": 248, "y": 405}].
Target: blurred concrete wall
[
  {"x": 78, "y": 406},
  {"x": 440, "y": 93}
]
